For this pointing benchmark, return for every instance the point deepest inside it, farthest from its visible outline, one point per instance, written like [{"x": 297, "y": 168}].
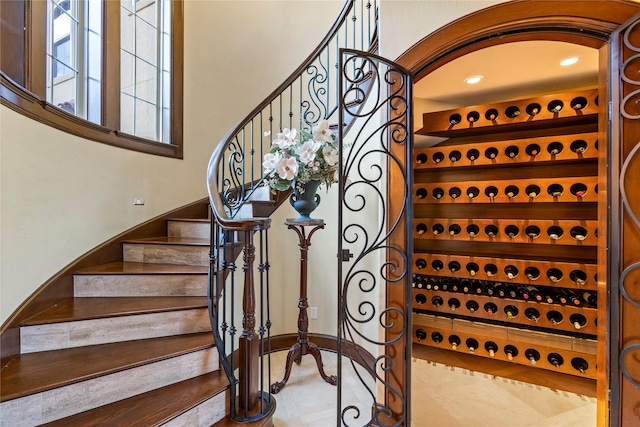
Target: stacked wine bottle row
[
  {"x": 531, "y": 150},
  {"x": 547, "y": 351},
  {"x": 546, "y": 190},
  {"x": 510, "y": 231},
  {"x": 527, "y": 272},
  {"x": 551, "y": 110},
  {"x": 528, "y": 313}
]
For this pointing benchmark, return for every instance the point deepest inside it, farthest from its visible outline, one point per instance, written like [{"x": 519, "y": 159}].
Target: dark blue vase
[{"x": 306, "y": 202}]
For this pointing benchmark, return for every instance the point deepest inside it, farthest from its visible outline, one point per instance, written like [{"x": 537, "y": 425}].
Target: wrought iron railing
[{"x": 239, "y": 298}]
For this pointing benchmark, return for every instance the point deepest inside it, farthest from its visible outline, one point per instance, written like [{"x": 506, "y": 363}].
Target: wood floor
[{"x": 474, "y": 392}]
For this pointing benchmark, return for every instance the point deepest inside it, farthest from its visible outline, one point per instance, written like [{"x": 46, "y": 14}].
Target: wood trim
[
  {"x": 36, "y": 70},
  {"x": 177, "y": 76},
  {"x": 60, "y": 286},
  {"x": 111, "y": 65},
  {"x": 12, "y": 39}
]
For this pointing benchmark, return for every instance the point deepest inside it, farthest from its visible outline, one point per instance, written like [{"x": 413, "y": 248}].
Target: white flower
[
  {"x": 322, "y": 133},
  {"x": 286, "y": 138},
  {"x": 307, "y": 152},
  {"x": 287, "y": 168},
  {"x": 271, "y": 161},
  {"x": 267, "y": 133},
  {"x": 330, "y": 155}
]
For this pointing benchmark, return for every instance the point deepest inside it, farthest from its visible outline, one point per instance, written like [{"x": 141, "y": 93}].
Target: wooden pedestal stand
[{"x": 303, "y": 346}]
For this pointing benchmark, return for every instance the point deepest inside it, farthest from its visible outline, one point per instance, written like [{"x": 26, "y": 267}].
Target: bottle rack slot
[
  {"x": 552, "y": 273},
  {"x": 544, "y": 190},
  {"x": 548, "y": 232},
  {"x": 531, "y": 151},
  {"x": 515, "y": 344},
  {"x": 524, "y": 114},
  {"x": 571, "y": 319}
]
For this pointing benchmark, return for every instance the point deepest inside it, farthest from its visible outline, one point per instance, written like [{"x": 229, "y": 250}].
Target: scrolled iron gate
[{"x": 374, "y": 226}]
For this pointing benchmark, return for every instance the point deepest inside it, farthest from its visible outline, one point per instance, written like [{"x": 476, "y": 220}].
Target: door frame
[{"x": 588, "y": 23}]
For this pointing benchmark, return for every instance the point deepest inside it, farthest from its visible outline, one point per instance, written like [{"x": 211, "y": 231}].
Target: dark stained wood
[
  {"x": 36, "y": 67},
  {"x": 177, "y": 76},
  {"x": 110, "y": 90},
  {"x": 60, "y": 286},
  {"x": 549, "y": 211},
  {"x": 265, "y": 422},
  {"x": 96, "y": 307},
  {"x": 153, "y": 408},
  {"x": 13, "y": 39},
  {"x": 37, "y": 372}
]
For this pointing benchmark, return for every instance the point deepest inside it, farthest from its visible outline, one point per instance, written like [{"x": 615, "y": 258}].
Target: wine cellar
[{"x": 506, "y": 232}]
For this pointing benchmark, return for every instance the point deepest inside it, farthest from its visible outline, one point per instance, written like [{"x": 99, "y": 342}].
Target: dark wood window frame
[{"x": 23, "y": 68}]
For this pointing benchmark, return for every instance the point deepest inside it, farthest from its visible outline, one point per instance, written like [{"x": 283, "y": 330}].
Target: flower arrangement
[{"x": 291, "y": 160}]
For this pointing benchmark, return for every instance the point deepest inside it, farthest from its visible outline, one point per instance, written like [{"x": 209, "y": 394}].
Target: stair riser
[
  {"x": 206, "y": 414},
  {"x": 200, "y": 230},
  {"x": 166, "y": 254},
  {"x": 68, "y": 400},
  {"x": 140, "y": 285},
  {"x": 57, "y": 336}
]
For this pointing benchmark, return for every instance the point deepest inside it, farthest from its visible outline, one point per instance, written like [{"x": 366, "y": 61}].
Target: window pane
[
  {"x": 146, "y": 82},
  {"x": 126, "y": 111},
  {"x": 145, "y": 122},
  {"x": 93, "y": 71},
  {"x": 62, "y": 43}
]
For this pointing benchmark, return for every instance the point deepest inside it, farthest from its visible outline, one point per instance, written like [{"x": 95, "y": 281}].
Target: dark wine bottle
[
  {"x": 438, "y": 193},
  {"x": 421, "y": 334},
  {"x": 532, "y": 191},
  {"x": 438, "y": 157},
  {"x": 436, "y": 337},
  {"x": 421, "y": 263},
  {"x": 532, "y": 314},
  {"x": 455, "y": 156},
  {"x": 489, "y": 289},
  {"x": 465, "y": 285},
  {"x": 578, "y": 146},
  {"x": 590, "y": 298},
  {"x": 490, "y": 308},
  {"x": 554, "y": 148},
  {"x": 579, "y": 364},
  {"x": 454, "y": 304},
  {"x": 491, "y": 348},
  {"x": 532, "y": 273},
  {"x": 454, "y": 266},
  {"x": 578, "y": 189},
  {"x": 491, "y": 153},
  {"x": 473, "y": 192},
  {"x": 421, "y": 228},
  {"x": 473, "y": 117},
  {"x": 555, "y": 317},
  {"x": 473, "y": 154},
  {"x": 555, "y": 232},
  {"x": 555, "y": 190},
  {"x": 512, "y": 291},
  {"x": 512, "y": 151},
  {"x": 533, "y": 109},
  {"x": 491, "y": 114},
  {"x": 454, "y": 119},
  {"x": 573, "y": 298},
  {"x": 555, "y": 359},
  {"x": 532, "y": 150},
  {"x": 437, "y": 301},
  {"x": 500, "y": 290},
  {"x": 578, "y": 320},
  {"x": 512, "y": 112},
  {"x": 454, "y": 340},
  {"x": 579, "y": 233},
  {"x": 434, "y": 285},
  {"x": 511, "y": 271},
  {"x": 477, "y": 288},
  {"x": 415, "y": 280},
  {"x": 511, "y": 351},
  {"x": 421, "y": 299},
  {"x": 437, "y": 228},
  {"x": 533, "y": 231},
  {"x": 533, "y": 355},
  {"x": 473, "y": 230},
  {"x": 428, "y": 284},
  {"x": 421, "y": 158},
  {"x": 511, "y": 311},
  {"x": 491, "y": 230},
  {"x": 455, "y": 285},
  {"x": 472, "y": 344},
  {"x": 421, "y": 193},
  {"x": 454, "y": 192},
  {"x": 472, "y": 306},
  {"x": 534, "y": 293},
  {"x": 437, "y": 265},
  {"x": 511, "y": 191},
  {"x": 555, "y": 106},
  {"x": 472, "y": 268},
  {"x": 512, "y": 231},
  {"x": 444, "y": 284},
  {"x": 578, "y": 103},
  {"x": 491, "y": 191},
  {"x": 523, "y": 292},
  {"x": 554, "y": 275},
  {"x": 490, "y": 269}
]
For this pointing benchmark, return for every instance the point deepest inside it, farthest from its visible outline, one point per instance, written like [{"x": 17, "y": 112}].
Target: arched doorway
[{"x": 595, "y": 24}]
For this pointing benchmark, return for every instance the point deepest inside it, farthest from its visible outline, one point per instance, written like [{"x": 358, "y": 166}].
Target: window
[{"x": 114, "y": 65}]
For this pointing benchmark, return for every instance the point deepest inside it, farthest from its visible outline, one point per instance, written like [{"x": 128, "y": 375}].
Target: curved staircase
[{"x": 132, "y": 347}]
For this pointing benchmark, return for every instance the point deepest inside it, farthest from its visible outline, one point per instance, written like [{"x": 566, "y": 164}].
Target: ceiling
[{"x": 510, "y": 71}]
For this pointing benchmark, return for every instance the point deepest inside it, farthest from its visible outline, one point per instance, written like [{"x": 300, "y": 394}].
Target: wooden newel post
[{"x": 249, "y": 341}]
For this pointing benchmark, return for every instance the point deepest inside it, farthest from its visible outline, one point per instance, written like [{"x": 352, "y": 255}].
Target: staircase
[{"x": 132, "y": 347}]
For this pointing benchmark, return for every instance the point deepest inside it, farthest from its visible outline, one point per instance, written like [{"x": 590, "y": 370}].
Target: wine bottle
[
  {"x": 465, "y": 286},
  {"x": 534, "y": 293},
  {"x": 579, "y": 146},
  {"x": 428, "y": 284},
  {"x": 511, "y": 191},
  {"x": 454, "y": 340},
  {"x": 414, "y": 281},
  {"x": 533, "y": 355},
  {"x": 512, "y": 231},
  {"x": 512, "y": 292},
  {"x": 421, "y": 228},
  {"x": 473, "y": 230},
  {"x": 437, "y": 301},
  {"x": 523, "y": 292},
  {"x": 438, "y": 193},
  {"x": 454, "y": 119},
  {"x": 578, "y": 189},
  {"x": 511, "y": 311},
  {"x": 436, "y": 337},
  {"x": 554, "y": 275},
  {"x": 561, "y": 296},
  {"x": 444, "y": 284},
  {"x": 421, "y": 263},
  {"x": 511, "y": 271},
  {"x": 555, "y": 106},
  {"x": 532, "y": 272},
  {"x": 555, "y": 317},
  {"x": 555, "y": 190},
  {"x": 472, "y": 306},
  {"x": 454, "y": 266},
  {"x": 554, "y": 232},
  {"x": 490, "y": 269},
  {"x": 578, "y": 320},
  {"x": 455, "y": 285},
  {"x": 554, "y": 148},
  {"x": 421, "y": 299},
  {"x": 420, "y": 334},
  {"x": 473, "y": 117},
  {"x": 579, "y": 364},
  {"x": 491, "y": 230},
  {"x": 421, "y": 193},
  {"x": 512, "y": 151},
  {"x": 532, "y": 314},
  {"x": 533, "y": 231},
  {"x": 491, "y": 191},
  {"x": 438, "y": 157},
  {"x": 532, "y": 150},
  {"x": 472, "y": 344},
  {"x": 421, "y": 158},
  {"x": 590, "y": 298},
  {"x": 532, "y": 191},
  {"x": 472, "y": 268},
  {"x": 491, "y": 114},
  {"x": 454, "y": 192},
  {"x": 512, "y": 112},
  {"x": 454, "y": 156},
  {"x": 490, "y": 308},
  {"x": 491, "y": 348},
  {"x": 533, "y": 109},
  {"x": 578, "y": 103},
  {"x": 578, "y": 233},
  {"x": 511, "y": 351},
  {"x": 473, "y": 154},
  {"x": 454, "y": 304},
  {"x": 573, "y": 298},
  {"x": 500, "y": 290},
  {"x": 437, "y": 229},
  {"x": 473, "y": 192},
  {"x": 437, "y": 265},
  {"x": 477, "y": 288},
  {"x": 489, "y": 289},
  {"x": 491, "y": 153},
  {"x": 434, "y": 285},
  {"x": 555, "y": 359}
]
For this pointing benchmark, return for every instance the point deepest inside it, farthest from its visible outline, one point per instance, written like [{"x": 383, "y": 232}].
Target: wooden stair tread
[
  {"x": 152, "y": 408},
  {"x": 32, "y": 373},
  {"x": 142, "y": 268},
  {"x": 197, "y": 220},
  {"x": 167, "y": 240},
  {"x": 75, "y": 309}
]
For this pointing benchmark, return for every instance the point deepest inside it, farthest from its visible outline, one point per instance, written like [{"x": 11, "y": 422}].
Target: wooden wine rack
[{"x": 530, "y": 170}]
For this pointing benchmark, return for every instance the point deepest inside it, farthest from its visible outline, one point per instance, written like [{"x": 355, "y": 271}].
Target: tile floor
[{"x": 443, "y": 396}]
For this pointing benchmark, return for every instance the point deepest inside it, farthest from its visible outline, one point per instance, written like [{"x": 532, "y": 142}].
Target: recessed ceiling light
[
  {"x": 473, "y": 80},
  {"x": 569, "y": 61}
]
